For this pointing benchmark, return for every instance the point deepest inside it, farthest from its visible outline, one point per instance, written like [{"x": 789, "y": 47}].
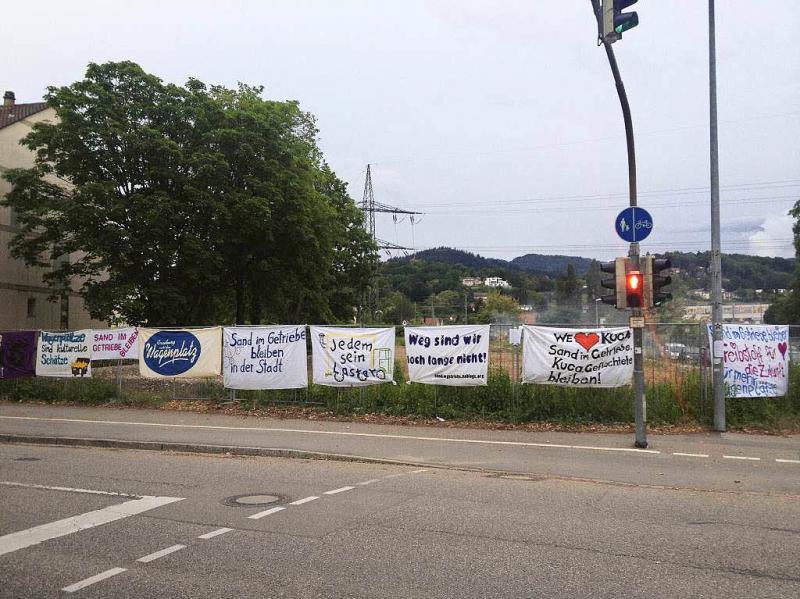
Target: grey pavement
[{"x": 726, "y": 462}]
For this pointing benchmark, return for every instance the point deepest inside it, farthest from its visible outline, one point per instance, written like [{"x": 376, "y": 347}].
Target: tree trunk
[{"x": 240, "y": 297}]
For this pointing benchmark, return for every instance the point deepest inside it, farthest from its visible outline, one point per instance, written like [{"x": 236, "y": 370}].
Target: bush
[{"x": 683, "y": 400}]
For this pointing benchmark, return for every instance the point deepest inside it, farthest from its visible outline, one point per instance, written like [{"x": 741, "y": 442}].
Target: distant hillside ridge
[
  {"x": 447, "y": 255},
  {"x": 552, "y": 265},
  {"x": 739, "y": 271},
  {"x": 537, "y": 264}
]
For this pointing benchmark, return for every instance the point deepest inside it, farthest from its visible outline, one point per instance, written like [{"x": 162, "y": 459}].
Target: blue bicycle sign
[{"x": 633, "y": 224}]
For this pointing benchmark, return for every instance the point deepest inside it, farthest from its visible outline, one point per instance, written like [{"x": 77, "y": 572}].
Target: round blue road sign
[{"x": 633, "y": 224}]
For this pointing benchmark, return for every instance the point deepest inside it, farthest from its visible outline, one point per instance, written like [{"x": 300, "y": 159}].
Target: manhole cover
[{"x": 252, "y": 499}]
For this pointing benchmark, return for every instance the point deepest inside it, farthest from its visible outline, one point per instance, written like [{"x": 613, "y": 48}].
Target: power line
[
  {"x": 787, "y": 183},
  {"x": 486, "y": 211},
  {"x": 441, "y": 155},
  {"x": 775, "y": 243}
]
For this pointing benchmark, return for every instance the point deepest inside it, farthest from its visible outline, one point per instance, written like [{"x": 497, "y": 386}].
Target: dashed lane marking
[
  {"x": 93, "y": 579},
  {"x": 741, "y": 457},
  {"x": 215, "y": 533},
  {"x": 787, "y": 461},
  {"x": 369, "y": 482},
  {"x": 691, "y": 455},
  {"x": 60, "y": 528},
  {"x": 272, "y": 510},
  {"x": 304, "y": 500},
  {"x": 154, "y": 556},
  {"x": 340, "y": 490}
]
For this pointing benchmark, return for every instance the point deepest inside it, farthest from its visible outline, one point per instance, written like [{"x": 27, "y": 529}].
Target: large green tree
[
  {"x": 187, "y": 204},
  {"x": 786, "y": 310}
]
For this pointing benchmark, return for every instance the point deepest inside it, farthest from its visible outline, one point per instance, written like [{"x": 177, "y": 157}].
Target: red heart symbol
[
  {"x": 782, "y": 348},
  {"x": 587, "y": 341}
]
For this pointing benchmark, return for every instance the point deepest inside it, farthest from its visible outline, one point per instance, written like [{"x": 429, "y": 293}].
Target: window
[{"x": 31, "y": 307}]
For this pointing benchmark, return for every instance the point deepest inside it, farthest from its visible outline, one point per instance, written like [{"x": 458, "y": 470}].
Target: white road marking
[
  {"x": 215, "y": 533},
  {"x": 7, "y": 483},
  {"x": 93, "y": 579},
  {"x": 741, "y": 457},
  {"x": 691, "y": 455},
  {"x": 162, "y": 553},
  {"x": 38, "y": 534},
  {"x": 341, "y": 490},
  {"x": 335, "y": 433},
  {"x": 787, "y": 461},
  {"x": 369, "y": 482},
  {"x": 421, "y": 470},
  {"x": 304, "y": 500},
  {"x": 271, "y": 510}
]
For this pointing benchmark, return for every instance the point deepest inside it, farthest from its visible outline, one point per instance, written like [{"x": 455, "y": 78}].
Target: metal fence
[{"x": 676, "y": 369}]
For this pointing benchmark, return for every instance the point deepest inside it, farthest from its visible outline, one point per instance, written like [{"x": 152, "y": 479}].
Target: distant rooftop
[{"x": 11, "y": 112}]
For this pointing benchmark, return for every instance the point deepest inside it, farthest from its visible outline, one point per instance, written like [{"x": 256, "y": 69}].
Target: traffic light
[
  {"x": 654, "y": 282},
  {"x": 616, "y": 268},
  {"x": 634, "y": 289},
  {"x": 615, "y": 21}
]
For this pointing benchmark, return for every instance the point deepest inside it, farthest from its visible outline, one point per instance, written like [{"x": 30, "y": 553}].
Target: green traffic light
[{"x": 623, "y": 22}]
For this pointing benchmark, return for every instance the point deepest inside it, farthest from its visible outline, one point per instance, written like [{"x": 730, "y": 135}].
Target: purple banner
[{"x": 17, "y": 354}]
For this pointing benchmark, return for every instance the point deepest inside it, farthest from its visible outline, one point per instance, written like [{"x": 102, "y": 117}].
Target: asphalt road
[
  {"x": 72, "y": 516},
  {"x": 727, "y": 462}
]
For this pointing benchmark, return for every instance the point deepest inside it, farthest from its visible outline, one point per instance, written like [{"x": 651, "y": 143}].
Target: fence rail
[{"x": 676, "y": 368}]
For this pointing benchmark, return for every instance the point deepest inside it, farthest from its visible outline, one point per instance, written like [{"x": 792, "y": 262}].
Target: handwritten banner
[
  {"x": 453, "y": 355},
  {"x": 271, "y": 357},
  {"x": 577, "y": 357},
  {"x": 115, "y": 344},
  {"x": 17, "y": 354},
  {"x": 755, "y": 359},
  {"x": 64, "y": 354},
  {"x": 183, "y": 353},
  {"x": 345, "y": 357}
]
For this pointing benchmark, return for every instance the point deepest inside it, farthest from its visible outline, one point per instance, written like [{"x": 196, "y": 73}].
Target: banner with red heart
[{"x": 577, "y": 358}]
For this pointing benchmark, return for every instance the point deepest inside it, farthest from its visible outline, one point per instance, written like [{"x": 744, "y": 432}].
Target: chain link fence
[{"x": 676, "y": 369}]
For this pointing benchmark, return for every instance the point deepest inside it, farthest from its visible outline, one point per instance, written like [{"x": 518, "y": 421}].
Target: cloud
[{"x": 774, "y": 238}]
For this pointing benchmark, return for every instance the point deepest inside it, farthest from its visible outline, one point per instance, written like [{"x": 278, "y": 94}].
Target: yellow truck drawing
[{"x": 80, "y": 366}]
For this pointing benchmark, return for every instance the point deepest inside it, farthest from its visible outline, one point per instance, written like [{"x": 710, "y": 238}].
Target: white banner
[
  {"x": 64, "y": 354},
  {"x": 181, "y": 353},
  {"x": 272, "y": 357},
  {"x": 115, "y": 344},
  {"x": 349, "y": 357},
  {"x": 451, "y": 355},
  {"x": 755, "y": 359},
  {"x": 577, "y": 357}
]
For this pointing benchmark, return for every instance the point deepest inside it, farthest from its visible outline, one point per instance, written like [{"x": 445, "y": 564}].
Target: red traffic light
[{"x": 633, "y": 289}]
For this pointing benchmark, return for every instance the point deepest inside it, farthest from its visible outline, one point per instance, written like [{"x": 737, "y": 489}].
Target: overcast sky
[{"x": 499, "y": 120}]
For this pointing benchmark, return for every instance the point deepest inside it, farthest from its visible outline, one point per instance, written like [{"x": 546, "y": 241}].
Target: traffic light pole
[
  {"x": 640, "y": 402},
  {"x": 718, "y": 381}
]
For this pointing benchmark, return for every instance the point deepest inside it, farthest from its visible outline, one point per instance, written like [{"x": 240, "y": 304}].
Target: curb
[{"x": 205, "y": 449}]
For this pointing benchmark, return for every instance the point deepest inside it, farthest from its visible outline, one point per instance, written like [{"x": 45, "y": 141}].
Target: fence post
[{"x": 119, "y": 379}]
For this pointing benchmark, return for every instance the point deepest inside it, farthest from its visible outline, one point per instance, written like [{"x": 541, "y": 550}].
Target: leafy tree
[
  {"x": 567, "y": 288},
  {"x": 786, "y": 309},
  {"x": 497, "y": 308},
  {"x": 593, "y": 278},
  {"x": 397, "y": 308},
  {"x": 177, "y": 203}
]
